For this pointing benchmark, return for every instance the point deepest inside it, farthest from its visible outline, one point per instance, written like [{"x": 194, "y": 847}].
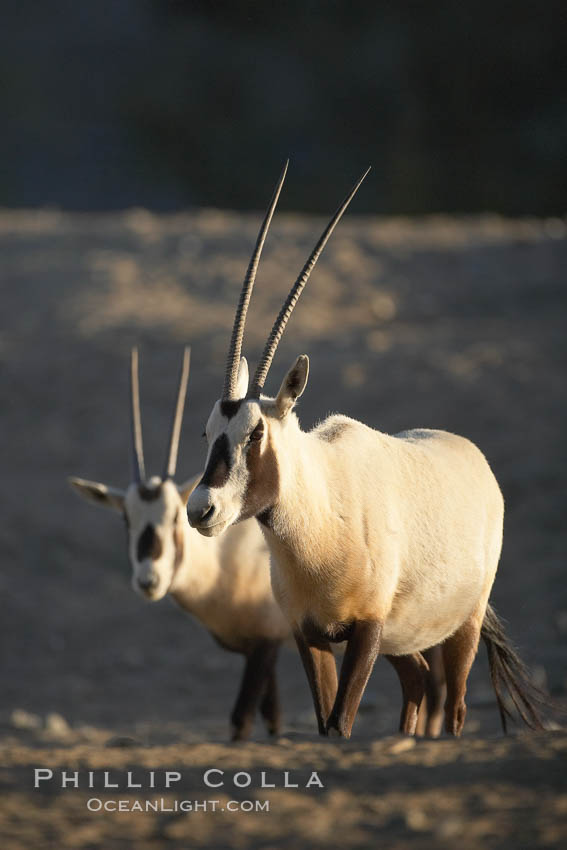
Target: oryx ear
[
  {"x": 100, "y": 494},
  {"x": 293, "y": 385},
  {"x": 242, "y": 379},
  {"x": 187, "y": 487}
]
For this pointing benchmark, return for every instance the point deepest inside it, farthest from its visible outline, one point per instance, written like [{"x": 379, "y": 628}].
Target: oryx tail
[{"x": 508, "y": 671}]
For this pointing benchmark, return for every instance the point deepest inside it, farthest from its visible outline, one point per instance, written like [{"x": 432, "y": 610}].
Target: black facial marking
[
  {"x": 218, "y": 467},
  {"x": 258, "y": 432},
  {"x": 149, "y": 544},
  {"x": 149, "y": 494},
  {"x": 230, "y": 408}
]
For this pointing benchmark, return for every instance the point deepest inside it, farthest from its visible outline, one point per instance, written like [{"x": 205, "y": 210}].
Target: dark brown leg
[
  {"x": 458, "y": 655},
  {"x": 422, "y": 716},
  {"x": 435, "y": 691},
  {"x": 259, "y": 663},
  {"x": 361, "y": 652},
  {"x": 270, "y": 705},
  {"x": 319, "y": 663},
  {"x": 412, "y": 671}
]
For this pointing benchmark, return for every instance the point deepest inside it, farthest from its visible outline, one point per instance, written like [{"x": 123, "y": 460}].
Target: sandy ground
[{"x": 458, "y": 324}]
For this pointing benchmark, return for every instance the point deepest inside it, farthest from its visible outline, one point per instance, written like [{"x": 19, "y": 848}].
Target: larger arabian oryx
[
  {"x": 224, "y": 583},
  {"x": 390, "y": 543}
]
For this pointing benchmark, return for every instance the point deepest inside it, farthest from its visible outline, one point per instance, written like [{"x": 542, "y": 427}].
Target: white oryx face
[
  {"x": 154, "y": 509},
  {"x": 154, "y": 513},
  {"x": 155, "y": 517},
  {"x": 241, "y": 477}
]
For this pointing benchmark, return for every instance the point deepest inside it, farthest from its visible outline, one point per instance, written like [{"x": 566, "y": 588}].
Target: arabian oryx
[
  {"x": 390, "y": 543},
  {"x": 224, "y": 583}
]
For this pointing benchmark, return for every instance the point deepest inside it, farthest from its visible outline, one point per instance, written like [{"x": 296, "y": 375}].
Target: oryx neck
[
  {"x": 303, "y": 495},
  {"x": 198, "y": 573}
]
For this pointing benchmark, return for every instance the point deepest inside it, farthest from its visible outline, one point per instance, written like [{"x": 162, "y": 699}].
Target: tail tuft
[{"x": 507, "y": 670}]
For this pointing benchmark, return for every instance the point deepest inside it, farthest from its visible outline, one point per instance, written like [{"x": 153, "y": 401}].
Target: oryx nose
[
  {"x": 148, "y": 583},
  {"x": 200, "y": 515}
]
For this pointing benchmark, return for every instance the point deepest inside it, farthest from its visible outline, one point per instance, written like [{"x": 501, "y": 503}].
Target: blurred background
[{"x": 166, "y": 104}]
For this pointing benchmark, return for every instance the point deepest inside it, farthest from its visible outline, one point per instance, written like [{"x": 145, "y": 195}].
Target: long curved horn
[
  {"x": 173, "y": 447},
  {"x": 291, "y": 300},
  {"x": 235, "y": 348},
  {"x": 137, "y": 445}
]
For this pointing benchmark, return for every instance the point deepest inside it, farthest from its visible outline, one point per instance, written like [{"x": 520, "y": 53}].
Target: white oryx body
[
  {"x": 390, "y": 543},
  {"x": 406, "y": 530}
]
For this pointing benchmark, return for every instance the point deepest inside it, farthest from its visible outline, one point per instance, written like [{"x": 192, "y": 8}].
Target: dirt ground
[{"x": 450, "y": 323}]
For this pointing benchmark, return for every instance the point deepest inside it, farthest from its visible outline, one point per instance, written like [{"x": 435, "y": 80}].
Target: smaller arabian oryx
[
  {"x": 224, "y": 583},
  {"x": 390, "y": 543}
]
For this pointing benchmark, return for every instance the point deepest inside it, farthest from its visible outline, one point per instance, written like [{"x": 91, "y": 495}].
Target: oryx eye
[{"x": 257, "y": 433}]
